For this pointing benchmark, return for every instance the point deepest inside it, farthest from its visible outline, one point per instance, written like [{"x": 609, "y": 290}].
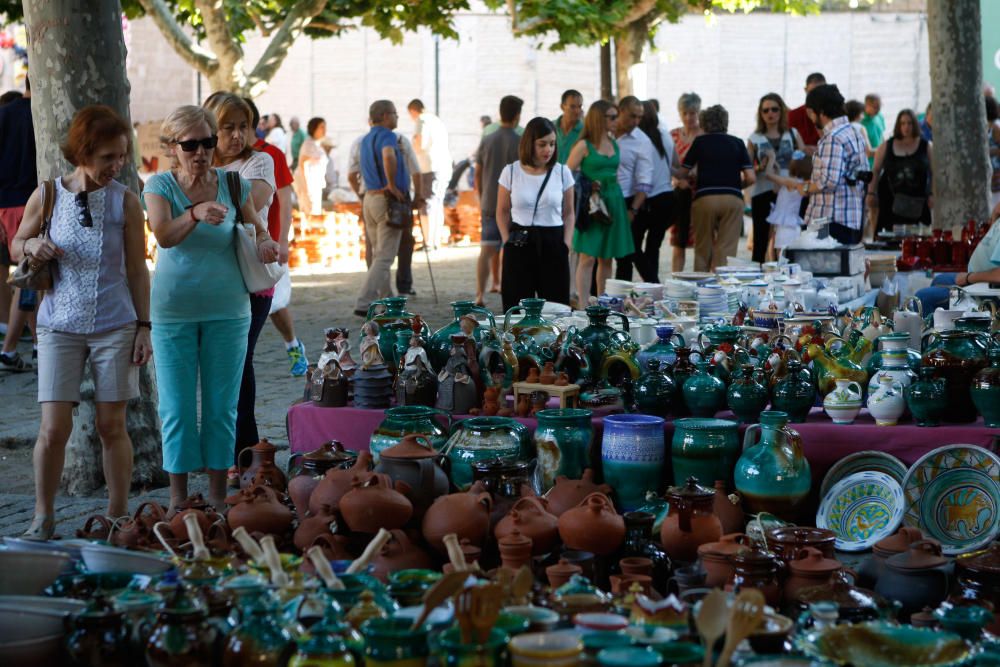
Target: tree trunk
[
  {"x": 961, "y": 164},
  {"x": 606, "y": 91},
  {"x": 77, "y": 54},
  {"x": 629, "y": 44}
]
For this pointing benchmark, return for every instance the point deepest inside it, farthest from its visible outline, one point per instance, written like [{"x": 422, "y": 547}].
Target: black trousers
[
  {"x": 760, "y": 208},
  {"x": 404, "y": 258},
  {"x": 246, "y": 422},
  {"x": 538, "y": 268},
  {"x": 648, "y": 230}
]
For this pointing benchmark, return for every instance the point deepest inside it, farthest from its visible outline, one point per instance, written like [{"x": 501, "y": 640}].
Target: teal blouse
[{"x": 199, "y": 279}]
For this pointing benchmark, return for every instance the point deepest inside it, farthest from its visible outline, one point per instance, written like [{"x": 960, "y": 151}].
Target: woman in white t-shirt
[{"x": 536, "y": 217}]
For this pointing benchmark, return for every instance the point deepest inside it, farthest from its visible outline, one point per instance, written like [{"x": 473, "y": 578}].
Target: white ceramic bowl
[
  {"x": 103, "y": 559},
  {"x": 29, "y": 572}
]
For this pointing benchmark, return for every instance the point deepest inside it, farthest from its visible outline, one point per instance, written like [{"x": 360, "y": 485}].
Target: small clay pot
[
  {"x": 568, "y": 493},
  {"x": 206, "y": 516},
  {"x": 636, "y": 565},
  {"x": 465, "y": 514},
  {"x": 530, "y": 517},
  {"x": 621, "y": 584},
  {"x": 561, "y": 572},
  {"x": 515, "y": 550},
  {"x": 373, "y": 503},
  {"x": 593, "y": 526},
  {"x": 811, "y": 568},
  {"x": 716, "y": 558}
]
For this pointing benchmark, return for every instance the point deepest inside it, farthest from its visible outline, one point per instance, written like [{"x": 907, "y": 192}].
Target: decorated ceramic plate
[
  {"x": 691, "y": 275},
  {"x": 861, "y": 509},
  {"x": 861, "y": 461},
  {"x": 881, "y": 644},
  {"x": 953, "y": 495}
]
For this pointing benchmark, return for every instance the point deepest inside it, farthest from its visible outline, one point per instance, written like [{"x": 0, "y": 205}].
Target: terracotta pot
[
  {"x": 568, "y": 493},
  {"x": 531, "y": 518},
  {"x": 323, "y": 523},
  {"x": 716, "y": 558},
  {"x": 373, "y": 503},
  {"x": 561, "y": 572},
  {"x": 730, "y": 513},
  {"x": 206, "y": 516},
  {"x": 515, "y": 550},
  {"x": 871, "y": 568},
  {"x": 337, "y": 482},
  {"x": 593, "y": 526},
  {"x": 97, "y": 527},
  {"x": 306, "y": 471},
  {"x": 621, "y": 584},
  {"x": 258, "y": 510},
  {"x": 465, "y": 514},
  {"x": 690, "y": 522},
  {"x": 810, "y": 568},
  {"x": 787, "y": 541},
  {"x": 400, "y": 553},
  {"x": 636, "y": 565},
  {"x": 262, "y": 461},
  {"x": 149, "y": 514},
  {"x": 755, "y": 568}
]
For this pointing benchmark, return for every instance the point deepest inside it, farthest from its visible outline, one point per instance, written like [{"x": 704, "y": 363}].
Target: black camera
[{"x": 859, "y": 176}]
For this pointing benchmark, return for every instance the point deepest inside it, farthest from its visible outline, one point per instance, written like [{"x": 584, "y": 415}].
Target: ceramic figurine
[
  {"x": 491, "y": 401},
  {"x": 887, "y": 404},
  {"x": 371, "y": 356},
  {"x": 456, "y": 389},
  {"x": 331, "y": 336},
  {"x": 843, "y": 403},
  {"x": 416, "y": 383},
  {"x": 347, "y": 363}
]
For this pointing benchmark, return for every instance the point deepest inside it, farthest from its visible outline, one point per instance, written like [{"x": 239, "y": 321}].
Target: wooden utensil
[
  {"x": 744, "y": 618},
  {"x": 711, "y": 621},
  {"x": 375, "y": 546},
  {"x": 250, "y": 546},
  {"x": 323, "y": 569},
  {"x": 521, "y": 588},
  {"x": 197, "y": 539},
  {"x": 159, "y": 526},
  {"x": 463, "y": 614},
  {"x": 486, "y": 603},
  {"x": 437, "y": 594},
  {"x": 273, "y": 560},
  {"x": 455, "y": 554}
]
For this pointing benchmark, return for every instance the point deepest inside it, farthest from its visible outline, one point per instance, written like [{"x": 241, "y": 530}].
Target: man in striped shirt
[{"x": 839, "y": 166}]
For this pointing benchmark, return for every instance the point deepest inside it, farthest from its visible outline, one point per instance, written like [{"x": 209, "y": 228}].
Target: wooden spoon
[
  {"x": 455, "y": 554},
  {"x": 375, "y": 546},
  {"x": 250, "y": 546},
  {"x": 323, "y": 569},
  {"x": 201, "y": 552},
  {"x": 521, "y": 587},
  {"x": 273, "y": 559},
  {"x": 744, "y": 618},
  {"x": 437, "y": 594},
  {"x": 486, "y": 603},
  {"x": 711, "y": 621}
]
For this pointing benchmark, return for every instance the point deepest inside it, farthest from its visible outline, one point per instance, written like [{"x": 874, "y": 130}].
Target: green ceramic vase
[
  {"x": 927, "y": 398},
  {"x": 772, "y": 473},
  {"x": 654, "y": 391},
  {"x": 405, "y": 419},
  {"x": 389, "y": 642},
  {"x": 747, "y": 396},
  {"x": 597, "y": 335},
  {"x": 481, "y": 438},
  {"x": 439, "y": 344},
  {"x": 563, "y": 439},
  {"x": 986, "y": 390},
  {"x": 683, "y": 369},
  {"x": 794, "y": 394},
  {"x": 706, "y": 449},
  {"x": 543, "y": 332},
  {"x": 957, "y": 356},
  {"x": 704, "y": 393}
]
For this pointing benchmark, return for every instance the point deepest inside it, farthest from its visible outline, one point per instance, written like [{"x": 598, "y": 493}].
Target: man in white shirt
[
  {"x": 635, "y": 172},
  {"x": 430, "y": 141}
]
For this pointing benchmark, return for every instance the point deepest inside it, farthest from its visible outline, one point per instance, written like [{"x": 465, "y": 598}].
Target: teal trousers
[{"x": 183, "y": 353}]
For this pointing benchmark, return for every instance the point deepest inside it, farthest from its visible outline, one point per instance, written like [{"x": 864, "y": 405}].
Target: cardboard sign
[{"x": 154, "y": 157}]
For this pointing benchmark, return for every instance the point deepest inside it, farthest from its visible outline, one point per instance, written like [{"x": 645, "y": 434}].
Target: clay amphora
[
  {"x": 515, "y": 550},
  {"x": 400, "y": 553},
  {"x": 465, "y": 514},
  {"x": 530, "y": 517},
  {"x": 568, "y": 493},
  {"x": 305, "y": 471},
  {"x": 593, "y": 526},
  {"x": 323, "y": 523},
  {"x": 261, "y": 452},
  {"x": 415, "y": 462},
  {"x": 205, "y": 513},
  {"x": 690, "y": 521},
  {"x": 258, "y": 510},
  {"x": 373, "y": 503},
  {"x": 337, "y": 482}
]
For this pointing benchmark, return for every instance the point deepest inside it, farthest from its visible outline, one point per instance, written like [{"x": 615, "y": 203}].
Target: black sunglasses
[
  {"x": 611, "y": 116},
  {"x": 770, "y": 109},
  {"x": 84, "y": 205},
  {"x": 191, "y": 145}
]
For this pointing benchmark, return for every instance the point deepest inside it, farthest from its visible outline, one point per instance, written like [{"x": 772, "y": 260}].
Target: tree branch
[
  {"x": 196, "y": 56},
  {"x": 226, "y": 48},
  {"x": 519, "y": 28},
  {"x": 639, "y": 10},
  {"x": 277, "y": 49}
]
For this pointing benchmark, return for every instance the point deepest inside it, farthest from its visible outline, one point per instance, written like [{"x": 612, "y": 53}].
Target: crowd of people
[{"x": 565, "y": 203}]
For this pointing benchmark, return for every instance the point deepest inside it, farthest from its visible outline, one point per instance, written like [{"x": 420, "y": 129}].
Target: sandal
[
  {"x": 233, "y": 477},
  {"x": 41, "y": 529}
]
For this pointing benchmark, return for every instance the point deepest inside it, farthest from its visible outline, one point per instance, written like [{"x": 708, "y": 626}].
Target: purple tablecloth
[{"x": 825, "y": 442}]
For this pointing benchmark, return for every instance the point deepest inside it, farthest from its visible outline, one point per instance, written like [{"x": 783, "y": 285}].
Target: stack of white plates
[
  {"x": 615, "y": 287},
  {"x": 680, "y": 290},
  {"x": 653, "y": 290},
  {"x": 712, "y": 301}
]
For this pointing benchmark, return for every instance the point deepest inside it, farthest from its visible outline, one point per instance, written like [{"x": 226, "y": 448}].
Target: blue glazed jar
[
  {"x": 633, "y": 457},
  {"x": 562, "y": 442}
]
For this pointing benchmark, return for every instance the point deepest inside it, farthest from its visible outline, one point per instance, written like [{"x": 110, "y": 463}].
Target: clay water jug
[
  {"x": 424, "y": 470},
  {"x": 338, "y": 481},
  {"x": 323, "y": 523},
  {"x": 262, "y": 452},
  {"x": 375, "y": 502},
  {"x": 593, "y": 526},
  {"x": 258, "y": 510},
  {"x": 690, "y": 521},
  {"x": 197, "y": 505},
  {"x": 305, "y": 471},
  {"x": 465, "y": 514},
  {"x": 956, "y": 356},
  {"x": 568, "y": 493},
  {"x": 530, "y": 517},
  {"x": 773, "y": 473}
]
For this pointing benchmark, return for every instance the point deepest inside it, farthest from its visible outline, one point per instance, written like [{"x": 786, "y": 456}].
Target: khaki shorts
[{"x": 61, "y": 359}]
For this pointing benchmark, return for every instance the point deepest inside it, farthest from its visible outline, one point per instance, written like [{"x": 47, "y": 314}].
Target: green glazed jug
[
  {"x": 439, "y": 344},
  {"x": 794, "y": 394},
  {"x": 533, "y": 324},
  {"x": 597, "y": 336},
  {"x": 957, "y": 356},
  {"x": 391, "y": 315},
  {"x": 563, "y": 439},
  {"x": 773, "y": 473},
  {"x": 747, "y": 396},
  {"x": 683, "y": 369},
  {"x": 403, "y": 420},
  {"x": 704, "y": 393},
  {"x": 654, "y": 391},
  {"x": 927, "y": 398},
  {"x": 986, "y": 390}
]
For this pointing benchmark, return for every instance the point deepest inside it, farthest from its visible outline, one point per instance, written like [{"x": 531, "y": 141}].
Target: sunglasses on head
[
  {"x": 83, "y": 204},
  {"x": 191, "y": 145}
]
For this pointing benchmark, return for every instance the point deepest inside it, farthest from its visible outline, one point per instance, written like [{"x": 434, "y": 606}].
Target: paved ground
[{"x": 320, "y": 299}]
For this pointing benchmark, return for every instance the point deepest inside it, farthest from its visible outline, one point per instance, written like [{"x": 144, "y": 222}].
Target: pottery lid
[
  {"x": 811, "y": 561},
  {"x": 728, "y": 545},
  {"x": 412, "y": 446},
  {"x": 514, "y": 539},
  {"x": 986, "y": 561},
  {"x": 921, "y": 555},
  {"x": 900, "y": 541},
  {"x": 329, "y": 452},
  {"x": 691, "y": 490},
  {"x": 803, "y": 535},
  {"x": 564, "y": 568}
]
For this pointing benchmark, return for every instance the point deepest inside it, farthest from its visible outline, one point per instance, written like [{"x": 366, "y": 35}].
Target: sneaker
[
  {"x": 300, "y": 364},
  {"x": 14, "y": 363}
]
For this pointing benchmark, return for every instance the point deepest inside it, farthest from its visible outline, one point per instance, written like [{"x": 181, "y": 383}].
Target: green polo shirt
[
  {"x": 565, "y": 142},
  {"x": 875, "y": 129}
]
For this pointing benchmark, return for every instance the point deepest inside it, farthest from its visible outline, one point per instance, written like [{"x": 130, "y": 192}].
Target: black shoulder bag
[
  {"x": 400, "y": 212},
  {"x": 519, "y": 237}
]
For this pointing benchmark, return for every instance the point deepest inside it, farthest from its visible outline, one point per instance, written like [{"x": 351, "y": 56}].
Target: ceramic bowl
[
  {"x": 102, "y": 559},
  {"x": 862, "y": 509},
  {"x": 32, "y": 637},
  {"x": 29, "y": 572},
  {"x": 539, "y": 618},
  {"x": 548, "y": 649},
  {"x": 771, "y": 636},
  {"x": 881, "y": 644},
  {"x": 597, "y": 622}
]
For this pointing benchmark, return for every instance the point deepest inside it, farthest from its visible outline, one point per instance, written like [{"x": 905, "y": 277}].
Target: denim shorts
[{"x": 491, "y": 233}]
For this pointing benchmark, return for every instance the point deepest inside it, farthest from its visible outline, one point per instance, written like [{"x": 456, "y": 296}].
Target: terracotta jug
[
  {"x": 530, "y": 517},
  {"x": 374, "y": 503},
  {"x": 568, "y": 493},
  {"x": 593, "y": 526},
  {"x": 258, "y": 510},
  {"x": 690, "y": 521},
  {"x": 465, "y": 514},
  {"x": 323, "y": 523},
  {"x": 306, "y": 470},
  {"x": 337, "y": 482},
  {"x": 810, "y": 568},
  {"x": 261, "y": 452},
  {"x": 414, "y": 461},
  {"x": 515, "y": 550},
  {"x": 400, "y": 553},
  {"x": 727, "y": 508},
  {"x": 199, "y": 506},
  {"x": 716, "y": 558}
]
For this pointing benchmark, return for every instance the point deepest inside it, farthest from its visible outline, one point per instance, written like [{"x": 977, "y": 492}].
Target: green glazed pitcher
[
  {"x": 439, "y": 344},
  {"x": 704, "y": 393},
  {"x": 747, "y": 396},
  {"x": 533, "y": 324},
  {"x": 598, "y": 334},
  {"x": 957, "y": 356},
  {"x": 406, "y": 419},
  {"x": 773, "y": 473},
  {"x": 794, "y": 394}
]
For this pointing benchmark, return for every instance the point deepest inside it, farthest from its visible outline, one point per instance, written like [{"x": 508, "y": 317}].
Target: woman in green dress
[{"x": 596, "y": 155}]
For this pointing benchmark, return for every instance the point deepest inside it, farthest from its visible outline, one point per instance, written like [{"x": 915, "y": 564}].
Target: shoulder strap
[
  {"x": 48, "y": 204},
  {"x": 538, "y": 198},
  {"x": 378, "y": 170},
  {"x": 235, "y": 187}
]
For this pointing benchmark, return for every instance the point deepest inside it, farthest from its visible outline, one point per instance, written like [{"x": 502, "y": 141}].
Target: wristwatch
[{"x": 144, "y": 324}]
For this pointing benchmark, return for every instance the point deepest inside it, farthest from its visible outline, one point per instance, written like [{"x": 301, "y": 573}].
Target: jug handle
[
  {"x": 794, "y": 438},
  {"x": 852, "y": 383},
  {"x": 747, "y": 436},
  {"x": 373, "y": 307},
  {"x": 623, "y": 317},
  {"x": 506, "y": 316},
  {"x": 831, "y": 339},
  {"x": 426, "y": 467},
  {"x": 292, "y": 461},
  {"x": 240, "y": 468},
  {"x": 679, "y": 338},
  {"x": 488, "y": 313},
  {"x": 446, "y": 415},
  {"x": 914, "y": 300},
  {"x": 928, "y": 339}
]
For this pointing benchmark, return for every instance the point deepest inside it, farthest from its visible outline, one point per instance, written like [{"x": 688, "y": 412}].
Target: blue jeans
[{"x": 936, "y": 296}]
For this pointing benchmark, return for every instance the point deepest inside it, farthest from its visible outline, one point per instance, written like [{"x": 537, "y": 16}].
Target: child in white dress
[{"x": 785, "y": 218}]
